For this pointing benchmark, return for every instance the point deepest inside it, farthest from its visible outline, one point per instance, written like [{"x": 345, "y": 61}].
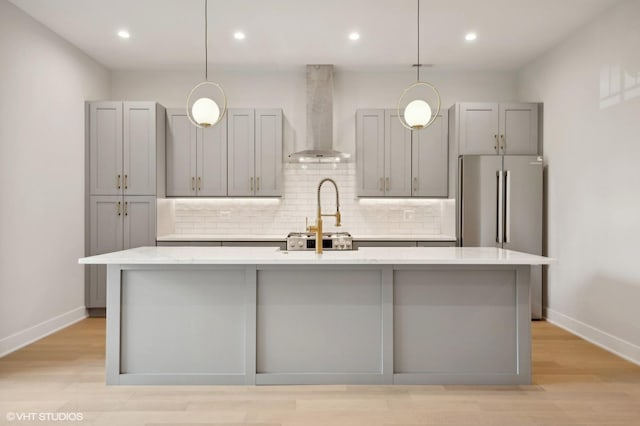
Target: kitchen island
[{"x": 247, "y": 315}]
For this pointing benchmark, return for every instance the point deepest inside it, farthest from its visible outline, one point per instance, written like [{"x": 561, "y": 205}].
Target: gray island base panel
[{"x": 203, "y": 315}]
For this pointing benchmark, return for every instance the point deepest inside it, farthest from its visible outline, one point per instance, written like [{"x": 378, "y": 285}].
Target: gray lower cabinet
[
  {"x": 282, "y": 245},
  {"x": 403, "y": 243},
  {"x": 117, "y": 223},
  {"x": 188, "y": 243},
  {"x": 392, "y": 161},
  {"x": 370, "y": 243},
  {"x": 436, "y": 244},
  {"x": 196, "y": 158},
  {"x": 254, "y": 152}
]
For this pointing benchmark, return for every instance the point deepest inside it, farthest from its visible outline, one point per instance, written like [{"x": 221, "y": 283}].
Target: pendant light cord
[
  {"x": 418, "y": 20},
  {"x": 206, "y": 45}
]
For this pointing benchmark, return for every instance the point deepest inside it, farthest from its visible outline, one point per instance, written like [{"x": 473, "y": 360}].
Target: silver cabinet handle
[
  {"x": 251, "y": 180},
  {"x": 199, "y": 183},
  {"x": 415, "y": 184},
  {"x": 193, "y": 183},
  {"x": 497, "y": 143},
  {"x": 118, "y": 208},
  {"x": 381, "y": 186},
  {"x": 507, "y": 207},
  {"x": 504, "y": 143},
  {"x": 125, "y": 181},
  {"x": 118, "y": 181},
  {"x": 258, "y": 183},
  {"x": 126, "y": 208},
  {"x": 499, "y": 210},
  {"x": 388, "y": 184}
]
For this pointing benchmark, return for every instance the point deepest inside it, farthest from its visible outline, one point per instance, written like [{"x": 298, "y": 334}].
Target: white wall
[
  {"x": 590, "y": 86},
  {"x": 286, "y": 89},
  {"x": 44, "y": 82}
]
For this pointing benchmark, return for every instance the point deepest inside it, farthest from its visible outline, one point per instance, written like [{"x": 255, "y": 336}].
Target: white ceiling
[{"x": 168, "y": 34}]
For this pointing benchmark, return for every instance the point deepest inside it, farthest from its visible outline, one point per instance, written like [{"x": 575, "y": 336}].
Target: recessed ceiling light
[
  {"x": 471, "y": 36},
  {"x": 239, "y": 35},
  {"x": 354, "y": 36},
  {"x": 124, "y": 34}
]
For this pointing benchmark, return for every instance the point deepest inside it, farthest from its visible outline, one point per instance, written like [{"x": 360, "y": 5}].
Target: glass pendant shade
[
  {"x": 419, "y": 105},
  {"x": 205, "y": 112},
  {"x": 206, "y": 104},
  {"x": 417, "y": 114}
]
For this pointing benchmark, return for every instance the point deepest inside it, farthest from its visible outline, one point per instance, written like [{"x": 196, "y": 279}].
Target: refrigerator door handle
[
  {"x": 507, "y": 207},
  {"x": 499, "y": 210}
]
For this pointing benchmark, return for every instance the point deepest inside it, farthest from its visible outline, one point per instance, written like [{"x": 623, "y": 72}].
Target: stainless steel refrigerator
[{"x": 500, "y": 205}]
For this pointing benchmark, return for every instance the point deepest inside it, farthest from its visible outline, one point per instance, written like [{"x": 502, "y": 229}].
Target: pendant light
[
  {"x": 417, "y": 113},
  {"x": 202, "y": 110}
]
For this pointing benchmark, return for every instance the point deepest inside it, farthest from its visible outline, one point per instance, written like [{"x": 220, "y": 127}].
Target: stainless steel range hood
[{"x": 319, "y": 118}]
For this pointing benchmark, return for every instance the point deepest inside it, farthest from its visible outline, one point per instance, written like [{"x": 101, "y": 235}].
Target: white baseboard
[
  {"x": 606, "y": 341},
  {"x": 25, "y": 337}
]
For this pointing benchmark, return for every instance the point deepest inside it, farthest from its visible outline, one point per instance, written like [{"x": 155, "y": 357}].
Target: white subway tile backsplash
[{"x": 278, "y": 216}]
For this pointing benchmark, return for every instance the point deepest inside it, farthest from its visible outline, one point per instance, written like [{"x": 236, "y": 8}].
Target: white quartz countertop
[
  {"x": 280, "y": 237},
  {"x": 273, "y": 256}
]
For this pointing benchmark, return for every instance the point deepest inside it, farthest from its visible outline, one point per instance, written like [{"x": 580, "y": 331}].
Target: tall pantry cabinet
[{"x": 125, "y": 162}]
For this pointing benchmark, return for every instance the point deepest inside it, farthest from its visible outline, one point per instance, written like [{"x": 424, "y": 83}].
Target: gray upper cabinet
[
  {"x": 123, "y": 147},
  {"x": 139, "y": 148},
  {"x": 196, "y": 158},
  {"x": 211, "y": 169},
  {"x": 105, "y": 147},
  {"x": 485, "y": 128},
  {"x": 519, "y": 128},
  {"x": 254, "y": 147},
  {"x": 393, "y": 161},
  {"x": 430, "y": 153},
  {"x": 370, "y": 149},
  {"x": 268, "y": 152},
  {"x": 397, "y": 155},
  {"x": 181, "y": 154},
  {"x": 240, "y": 145}
]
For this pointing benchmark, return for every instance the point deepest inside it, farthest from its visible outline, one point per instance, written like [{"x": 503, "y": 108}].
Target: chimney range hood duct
[{"x": 319, "y": 118}]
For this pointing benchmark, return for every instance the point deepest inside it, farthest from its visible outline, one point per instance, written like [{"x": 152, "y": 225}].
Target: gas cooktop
[{"x": 330, "y": 241}]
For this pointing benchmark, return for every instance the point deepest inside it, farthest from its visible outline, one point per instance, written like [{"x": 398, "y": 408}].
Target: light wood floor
[{"x": 576, "y": 383}]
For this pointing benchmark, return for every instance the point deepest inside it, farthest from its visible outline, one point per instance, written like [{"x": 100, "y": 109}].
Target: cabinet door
[
  {"x": 478, "y": 128},
  {"x": 268, "y": 151},
  {"x": 240, "y": 146},
  {"x": 106, "y": 224},
  {"x": 181, "y": 154},
  {"x": 211, "y": 157},
  {"x": 397, "y": 156},
  {"x": 430, "y": 159},
  {"x": 370, "y": 152},
  {"x": 139, "y": 148},
  {"x": 105, "y": 148},
  {"x": 519, "y": 129},
  {"x": 139, "y": 221},
  {"x": 106, "y": 235}
]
